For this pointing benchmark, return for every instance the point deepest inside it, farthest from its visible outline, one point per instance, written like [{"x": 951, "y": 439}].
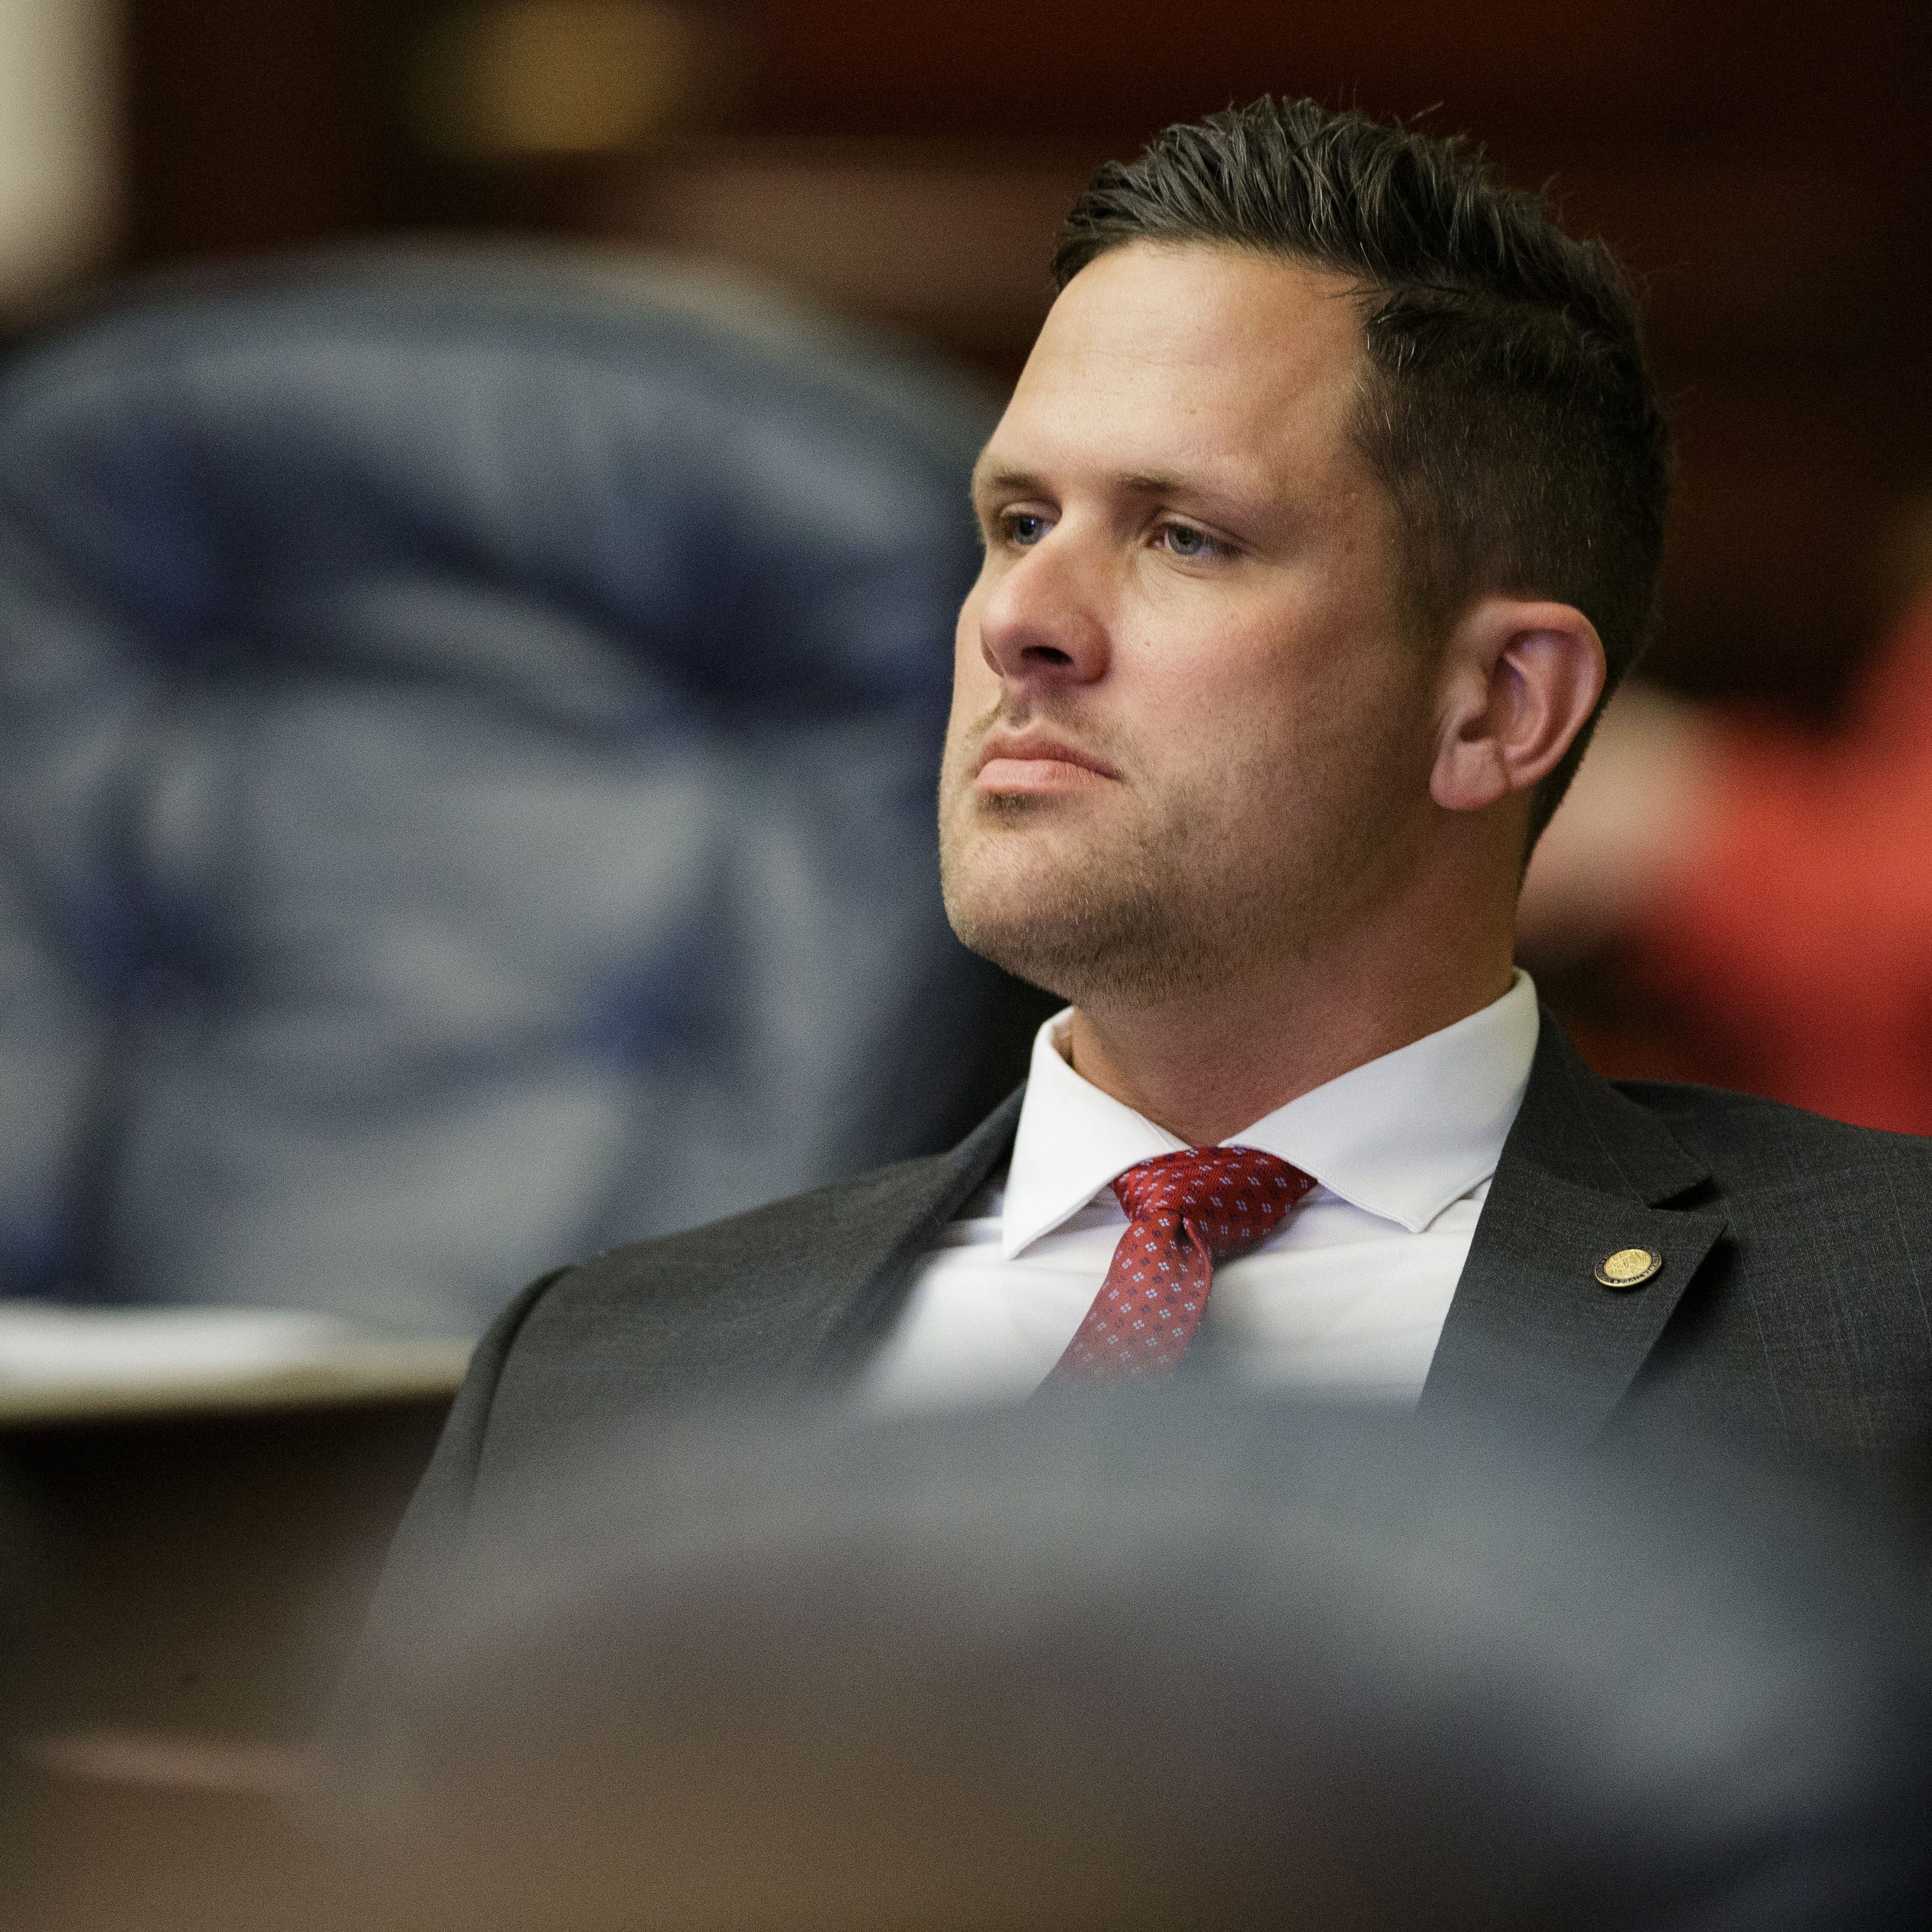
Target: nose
[{"x": 1043, "y": 622}]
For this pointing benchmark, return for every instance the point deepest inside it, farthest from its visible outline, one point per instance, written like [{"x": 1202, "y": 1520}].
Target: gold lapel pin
[{"x": 1629, "y": 1267}]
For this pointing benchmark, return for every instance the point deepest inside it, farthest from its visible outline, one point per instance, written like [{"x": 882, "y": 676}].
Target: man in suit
[{"x": 1327, "y": 509}]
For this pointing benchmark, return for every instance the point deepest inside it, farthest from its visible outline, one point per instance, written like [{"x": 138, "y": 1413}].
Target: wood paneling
[
  {"x": 1655, "y": 71},
  {"x": 247, "y": 126}
]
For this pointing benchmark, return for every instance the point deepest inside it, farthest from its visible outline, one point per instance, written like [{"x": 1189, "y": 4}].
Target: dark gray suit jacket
[{"x": 1794, "y": 1304}]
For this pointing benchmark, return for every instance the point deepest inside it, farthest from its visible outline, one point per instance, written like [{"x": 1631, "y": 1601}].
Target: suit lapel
[
  {"x": 866, "y": 1286},
  {"x": 1585, "y": 1172}
]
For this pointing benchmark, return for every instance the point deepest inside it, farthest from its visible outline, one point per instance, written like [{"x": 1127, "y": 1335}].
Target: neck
[{"x": 1204, "y": 1065}]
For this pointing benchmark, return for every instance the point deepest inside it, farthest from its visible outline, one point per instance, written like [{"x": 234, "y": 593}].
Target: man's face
[{"x": 1191, "y": 733}]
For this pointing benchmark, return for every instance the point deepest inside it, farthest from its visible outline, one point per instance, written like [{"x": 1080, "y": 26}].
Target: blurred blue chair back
[{"x": 471, "y": 721}]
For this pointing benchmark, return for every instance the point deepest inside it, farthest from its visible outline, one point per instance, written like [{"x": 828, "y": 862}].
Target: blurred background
[
  {"x": 792, "y": 226},
  {"x": 1765, "y": 168}
]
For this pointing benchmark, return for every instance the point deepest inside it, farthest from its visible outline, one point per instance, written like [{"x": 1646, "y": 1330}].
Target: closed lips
[{"x": 1029, "y": 749}]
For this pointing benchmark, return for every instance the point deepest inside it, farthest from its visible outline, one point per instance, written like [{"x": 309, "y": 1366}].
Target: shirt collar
[{"x": 1400, "y": 1137}]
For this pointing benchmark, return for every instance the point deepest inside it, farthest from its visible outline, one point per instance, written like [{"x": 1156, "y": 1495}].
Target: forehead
[{"x": 1157, "y": 358}]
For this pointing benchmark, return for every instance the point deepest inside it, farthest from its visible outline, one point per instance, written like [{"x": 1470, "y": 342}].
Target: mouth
[{"x": 1036, "y": 762}]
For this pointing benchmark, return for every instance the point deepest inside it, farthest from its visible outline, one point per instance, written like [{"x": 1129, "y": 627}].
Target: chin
[{"x": 1066, "y": 923}]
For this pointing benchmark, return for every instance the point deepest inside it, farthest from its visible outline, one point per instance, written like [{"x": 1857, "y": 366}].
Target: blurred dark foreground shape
[
  {"x": 472, "y": 715},
  {"x": 1111, "y": 1662}
]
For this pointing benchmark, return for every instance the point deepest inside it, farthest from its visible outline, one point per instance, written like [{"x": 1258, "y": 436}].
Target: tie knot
[{"x": 1230, "y": 1197}]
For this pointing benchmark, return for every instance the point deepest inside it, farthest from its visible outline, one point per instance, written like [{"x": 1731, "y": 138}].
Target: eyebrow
[
  {"x": 1004, "y": 479},
  {"x": 1139, "y": 483}
]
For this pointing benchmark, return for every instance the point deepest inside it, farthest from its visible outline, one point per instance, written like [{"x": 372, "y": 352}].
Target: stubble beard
[
  {"x": 1143, "y": 901},
  {"x": 1082, "y": 930},
  {"x": 1125, "y": 915}
]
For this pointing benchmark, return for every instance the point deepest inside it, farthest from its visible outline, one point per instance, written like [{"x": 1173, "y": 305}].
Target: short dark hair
[{"x": 1510, "y": 408}]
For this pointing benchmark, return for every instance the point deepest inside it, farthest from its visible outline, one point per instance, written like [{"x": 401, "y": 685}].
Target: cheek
[{"x": 1331, "y": 719}]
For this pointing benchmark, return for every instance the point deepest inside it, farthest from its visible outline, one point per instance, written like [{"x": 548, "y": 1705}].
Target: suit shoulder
[
  {"x": 1747, "y": 1140},
  {"x": 774, "y": 1227},
  {"x": 786, "y": 1268}
]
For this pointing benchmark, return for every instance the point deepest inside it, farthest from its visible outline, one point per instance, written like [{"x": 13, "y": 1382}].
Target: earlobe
[{"x": 1521, "y": 678}]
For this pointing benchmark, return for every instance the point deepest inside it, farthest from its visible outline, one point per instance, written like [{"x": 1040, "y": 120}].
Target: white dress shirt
[{"x": 1349, "y": 1298}]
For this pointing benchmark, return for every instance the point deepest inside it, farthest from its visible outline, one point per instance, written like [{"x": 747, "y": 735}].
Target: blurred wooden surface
[
  {"x": 202, "y": 1575},
  {"x": 357, "y": 1374},
  {"x": 183, "y": 1579}
]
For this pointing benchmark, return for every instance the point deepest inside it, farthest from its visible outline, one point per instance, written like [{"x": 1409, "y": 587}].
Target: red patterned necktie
[{"x": 1185, "y": 1212}]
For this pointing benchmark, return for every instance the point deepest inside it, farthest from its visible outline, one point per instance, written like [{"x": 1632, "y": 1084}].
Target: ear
[{"x": 1519, "y": 679}]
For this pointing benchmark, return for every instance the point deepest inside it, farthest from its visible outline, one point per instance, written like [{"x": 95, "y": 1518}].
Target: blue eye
[
  {"x": 1184, "y": 542},
  {"x": 1025, "y": 528}
]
